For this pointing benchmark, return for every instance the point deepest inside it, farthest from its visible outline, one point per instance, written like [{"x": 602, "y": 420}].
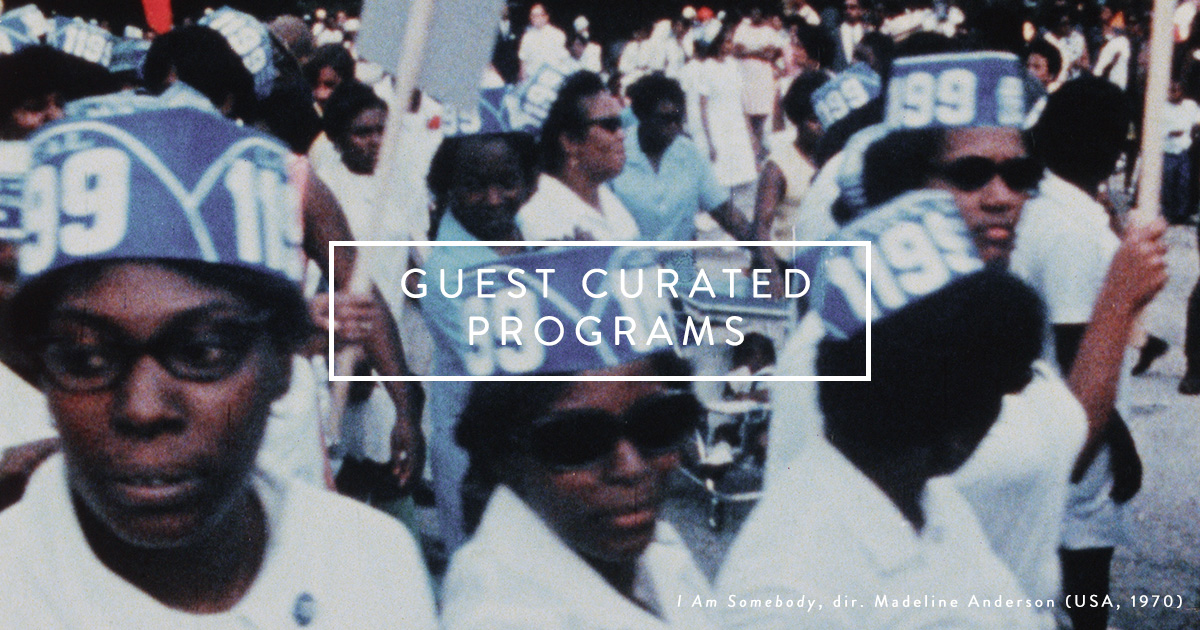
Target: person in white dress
[
  {"x": 582, "y": 148},
  {"x": 542, "y": 42},
  {"x": 722, "y": 116}
]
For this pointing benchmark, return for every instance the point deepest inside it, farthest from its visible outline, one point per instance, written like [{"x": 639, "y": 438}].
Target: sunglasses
[
  {"x": 972, "y": 173},
  {"x": 572, "y": 439},
  {"x": 611, "y": 124},
  {"x": 92, "y": 357}
]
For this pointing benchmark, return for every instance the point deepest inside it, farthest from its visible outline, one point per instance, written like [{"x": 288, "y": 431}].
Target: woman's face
[
  {"x": 1040, "y": 69},
  {"x": 607, "y": 510},
  {"x": 601, "y": 152},
  {"x": 327, "y": 82},
  {"x": 30, "y": 115},
  {"x": 160, "y": 387},
  {"x": 990, "y": 175},
  {"x": 489, "y": 188},
  {"x": 360, "y": 145}
]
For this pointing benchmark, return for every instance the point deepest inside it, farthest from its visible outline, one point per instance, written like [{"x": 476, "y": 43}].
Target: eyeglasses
[
  {"x": 611, "y": 124},
  {"x": 92, "y": 356},
  {"x": 974, "y": 172},
  {"x": 675, "y": 118},
  {"x": 572, "y": 439}
]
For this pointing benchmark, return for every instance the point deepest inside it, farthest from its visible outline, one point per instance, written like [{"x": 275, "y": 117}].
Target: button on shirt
[
  {"x": 664, "y": 202},
  {"x": 826, "y": 534},
  {"x": 330, "y": 563}
]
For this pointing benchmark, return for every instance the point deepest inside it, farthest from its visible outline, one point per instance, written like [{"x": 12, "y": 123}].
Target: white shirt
[
  {"x": 557, "y": 213},
  {"x": 541, "y": 46},
  {"x": 329, "y": 560},
  {"x": 26, "y": 417},
  {"x": 1063, "y": 250},
  {"x": 849, "y": 35},
  {"x": 1178, "y": 121},
  {"x": 1017, "y": 479},
  {"x": 1112, "y": 62},
  {"x": 826, "y": 534},
  {"x": 517, "y": 574}
]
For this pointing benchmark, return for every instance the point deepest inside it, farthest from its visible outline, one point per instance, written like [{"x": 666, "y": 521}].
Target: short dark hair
[
  {"x": 41, "y": 70},
  {"x": 204, "y": 60},
  {"x": 1047, "y": 50},
  {"x": 647, "y": 92},
  {"x": 1082, "y": 130},
  {"x": 899, "y": 162},
  {"x": 935, "y": 364},
  {"x": 797, "y": 102},
  {"x": 496, "y": 413},
  {"x": 348, "y": 100},
  {"x": 567, "y": 116},
  {"x": 446, "y": 161},
  {"x": 333, "y": 56}
]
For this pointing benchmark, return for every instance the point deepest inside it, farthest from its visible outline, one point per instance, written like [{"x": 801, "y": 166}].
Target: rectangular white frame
[{"x": 656, "y": 244}]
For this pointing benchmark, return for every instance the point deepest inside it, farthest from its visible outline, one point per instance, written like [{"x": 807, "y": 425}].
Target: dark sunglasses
[
  {"x": 611, "y": 124},
  {"x": 89, "y": 357},
  {"x": 972, "y": 173},
  {"x": 579, "y": 438}
]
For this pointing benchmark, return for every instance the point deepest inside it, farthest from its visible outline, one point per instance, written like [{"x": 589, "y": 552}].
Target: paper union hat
[
  {"x": 845, "y": 92},
  {"x": 919, "y": 244},
  {"x": 562, "y": 298},
  {"x": 14, "y": 163},
  {"x": 21, "y": 27},
  {"x": 86, "y": 41},
  {"x": 138, "y": 182},
  {"x": 251, "y": 41},
  {"x": 984, "y": 89},
  {"x": 850, "y": 174}
]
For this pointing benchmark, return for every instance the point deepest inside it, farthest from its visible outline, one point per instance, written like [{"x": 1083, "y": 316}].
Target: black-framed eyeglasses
[
  {"x": 572, "y": 439},
  {"x": 611, "y": 124},
  {"x": 972, "y": 173},
  {"x": 92, "y": 355},
  {"x": 669, "y": 118}
]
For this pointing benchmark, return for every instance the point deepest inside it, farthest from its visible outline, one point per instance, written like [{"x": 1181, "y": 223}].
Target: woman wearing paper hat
[
  {"x": 863, "y": 511},
  {"x": 158, "y": 310}
]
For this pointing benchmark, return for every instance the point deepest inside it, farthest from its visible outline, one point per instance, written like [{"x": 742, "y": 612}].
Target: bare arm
[
  {"x": 325, "y": 222},
  {"x": 1137, "y": 273}
]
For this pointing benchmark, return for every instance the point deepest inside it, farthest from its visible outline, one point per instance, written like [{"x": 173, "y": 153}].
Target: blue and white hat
[
  {"x": 847, "y": 91},
  {"x": 918, "y": 243},
  {"x": 140, "y": 180},
  {"x": 251, "y": 41},
  {"x": 569, "y": 318},
  {"x": 981, "y": 89}
]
